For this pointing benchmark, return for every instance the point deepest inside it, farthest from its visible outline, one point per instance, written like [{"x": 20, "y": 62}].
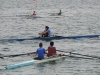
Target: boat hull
[
  {"x": 38, "y": 16},
  {"x": 27, "y": 63},
  {"x": 51, "y": 38},
  {"x": 32, "y": 62}
]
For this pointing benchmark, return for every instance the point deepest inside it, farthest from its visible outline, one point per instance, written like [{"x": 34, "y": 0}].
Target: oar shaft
[
  {"x": 81, "y": 54},
  {"x": 15, "y": 55},
  {"x": 88, "y": 55},
  {"x": 62, "y": 51}
]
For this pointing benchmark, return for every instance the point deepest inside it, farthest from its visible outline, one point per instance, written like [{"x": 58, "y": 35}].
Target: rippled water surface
[{"x": 82, "y": 17}]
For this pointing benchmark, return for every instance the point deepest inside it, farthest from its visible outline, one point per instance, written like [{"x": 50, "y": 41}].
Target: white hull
[{"x": 31, "y": 62}]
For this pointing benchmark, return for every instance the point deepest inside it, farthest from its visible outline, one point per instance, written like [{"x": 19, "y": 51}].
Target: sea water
[{"x": 81, "y": 18}]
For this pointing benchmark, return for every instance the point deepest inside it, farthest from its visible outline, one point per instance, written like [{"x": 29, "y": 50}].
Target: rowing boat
[
  {"x": 31, "y": 62},
  {"x": 47, "y": 59},
  {"x": 38, "y": 16},
  {"x": 51, "y": 38}
]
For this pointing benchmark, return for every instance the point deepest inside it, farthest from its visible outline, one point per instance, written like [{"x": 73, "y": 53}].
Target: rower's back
[{"x": 51, "y": 50}]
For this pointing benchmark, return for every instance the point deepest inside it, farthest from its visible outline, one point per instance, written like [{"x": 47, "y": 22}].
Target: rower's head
[
  {"x": 33, "y": 11},
  {"x": 40, "y": 44},
  {"x": 46, "y": 27},
  {"x": 51, "y": 43},
  {"x": 60, "y": 10}
]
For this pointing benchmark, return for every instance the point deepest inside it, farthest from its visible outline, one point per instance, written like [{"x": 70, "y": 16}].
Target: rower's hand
[{"x": 28, "y": 53}]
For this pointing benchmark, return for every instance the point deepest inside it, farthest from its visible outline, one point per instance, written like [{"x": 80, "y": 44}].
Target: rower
[
  {"x": 40, "y": 51},
  {"x": 34, "y": 13},
  {"x": 60, "y": 12},
  {"x": 51, "y": 49},
  {"x": 46, "y": 32},
  {"x": 56, "y": 14}
]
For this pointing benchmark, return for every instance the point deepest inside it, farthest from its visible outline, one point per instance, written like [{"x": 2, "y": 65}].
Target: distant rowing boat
[
  {"x": 51, "y": 38},
  {"x": 38, "y": 16}
]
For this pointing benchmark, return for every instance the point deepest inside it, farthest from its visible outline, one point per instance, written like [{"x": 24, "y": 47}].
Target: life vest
[{"x": 51, "y": 51}]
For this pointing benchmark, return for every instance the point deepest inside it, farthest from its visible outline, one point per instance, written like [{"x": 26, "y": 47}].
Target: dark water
[{"x": 81, "y": 18}]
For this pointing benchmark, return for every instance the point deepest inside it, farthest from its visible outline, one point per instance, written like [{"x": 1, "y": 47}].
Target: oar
[
  {"x": 15, "y": 55},
  {"x": 79, "y": 57},
  {"x": 76, "y": 53}
]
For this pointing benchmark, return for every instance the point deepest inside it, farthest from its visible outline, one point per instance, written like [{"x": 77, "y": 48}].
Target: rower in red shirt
[
  {"x": 34, "y": 13},
  {"x": 51, "y": 50}
]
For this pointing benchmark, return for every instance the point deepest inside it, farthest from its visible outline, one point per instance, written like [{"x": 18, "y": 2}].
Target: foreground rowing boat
[
  {"x": 31, "y": 62},
  {"x": 51, "y": 38},
  {"x": 70, "y": 54}
]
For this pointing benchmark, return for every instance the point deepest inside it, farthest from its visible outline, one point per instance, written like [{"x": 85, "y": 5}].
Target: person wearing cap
[{"x": 46, "y": 32}]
